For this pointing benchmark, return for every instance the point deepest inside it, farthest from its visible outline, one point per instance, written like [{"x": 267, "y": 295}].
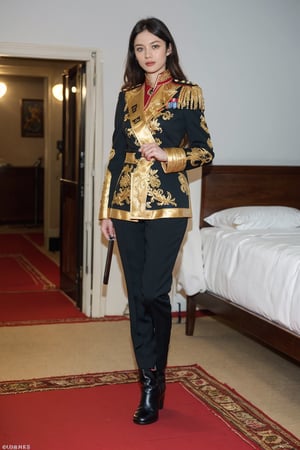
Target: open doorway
[{"x": 43, "y": 63}]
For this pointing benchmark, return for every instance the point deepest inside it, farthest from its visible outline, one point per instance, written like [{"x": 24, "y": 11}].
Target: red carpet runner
[
  {"x": 29, "y": 283},
  {"x": 33, "y": 308},
  {"x": 14, "y": 245},
  {"x": 94, "y": 412},
  {"x": 18, "y": 274}
]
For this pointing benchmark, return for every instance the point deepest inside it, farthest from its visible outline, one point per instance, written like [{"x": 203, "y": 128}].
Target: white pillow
[{"x": 255, "y": 217}]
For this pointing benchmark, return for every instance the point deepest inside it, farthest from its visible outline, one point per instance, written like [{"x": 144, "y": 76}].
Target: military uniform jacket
[{"x": 173, "y": 117}]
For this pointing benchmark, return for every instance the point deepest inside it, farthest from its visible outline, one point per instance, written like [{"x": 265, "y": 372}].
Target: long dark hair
[{"x": 134, "y": 74}]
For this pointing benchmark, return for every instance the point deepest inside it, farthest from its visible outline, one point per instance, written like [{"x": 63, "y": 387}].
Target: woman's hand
[
  {"x": 107, "y": 229},
  {"x": 153, "y": 151}
]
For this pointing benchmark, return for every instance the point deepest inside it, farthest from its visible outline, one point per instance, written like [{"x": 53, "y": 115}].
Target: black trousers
[{"x": 148, "y": 251}]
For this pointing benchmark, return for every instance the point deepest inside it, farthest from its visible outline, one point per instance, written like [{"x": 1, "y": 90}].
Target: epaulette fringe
[{"x": 191, "y": 97}]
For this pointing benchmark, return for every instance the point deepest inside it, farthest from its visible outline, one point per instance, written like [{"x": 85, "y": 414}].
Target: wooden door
[{"x": 72, "y": 182}]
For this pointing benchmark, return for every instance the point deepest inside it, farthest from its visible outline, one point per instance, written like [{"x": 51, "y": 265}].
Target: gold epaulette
[
  {"x": 187, "y": 82},
  {"x": 190, "y": 96},
  {"x": 130, "y": 88}
]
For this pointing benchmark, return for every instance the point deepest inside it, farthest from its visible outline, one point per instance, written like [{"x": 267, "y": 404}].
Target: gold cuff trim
[{"x": 176, "y": 160}]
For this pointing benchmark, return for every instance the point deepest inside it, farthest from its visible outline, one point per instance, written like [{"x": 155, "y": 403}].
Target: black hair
[{"x": 134, "y": 74}]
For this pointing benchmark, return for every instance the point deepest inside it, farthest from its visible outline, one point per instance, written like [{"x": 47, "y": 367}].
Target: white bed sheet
[{"x": 259, "y": 270}]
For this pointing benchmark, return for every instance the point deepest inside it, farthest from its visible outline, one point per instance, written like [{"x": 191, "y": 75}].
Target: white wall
[{"x": 244, "y": 54}]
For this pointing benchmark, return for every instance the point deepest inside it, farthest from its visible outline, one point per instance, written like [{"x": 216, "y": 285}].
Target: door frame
[{"x": 93, "y": 304}]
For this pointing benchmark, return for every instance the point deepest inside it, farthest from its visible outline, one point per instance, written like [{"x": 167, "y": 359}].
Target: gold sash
[
  {"x": 135, "y": 102},
  {"x": 140, "y": 175}
]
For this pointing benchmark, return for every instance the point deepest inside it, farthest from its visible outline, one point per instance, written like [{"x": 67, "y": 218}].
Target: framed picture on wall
[{"x": 32, "y": 118}]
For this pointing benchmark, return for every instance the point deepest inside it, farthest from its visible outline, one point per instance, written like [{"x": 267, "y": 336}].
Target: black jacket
[{"x": 135, "y": 188}]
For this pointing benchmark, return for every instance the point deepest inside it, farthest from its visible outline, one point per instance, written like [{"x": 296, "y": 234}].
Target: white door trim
[{"x": 93, "y": 304}]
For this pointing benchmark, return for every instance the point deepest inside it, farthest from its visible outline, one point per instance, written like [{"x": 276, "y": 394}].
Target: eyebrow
[{"x": 151, "y": 43}]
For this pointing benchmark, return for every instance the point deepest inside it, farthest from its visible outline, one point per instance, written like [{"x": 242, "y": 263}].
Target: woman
[{"x": 160, "y": 133}]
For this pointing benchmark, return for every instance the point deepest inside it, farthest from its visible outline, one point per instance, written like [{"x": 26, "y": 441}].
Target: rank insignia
[{"x": 172, "y": 104}]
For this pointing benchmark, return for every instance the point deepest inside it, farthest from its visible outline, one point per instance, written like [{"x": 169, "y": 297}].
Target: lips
[{"x": 150, "y": 63}]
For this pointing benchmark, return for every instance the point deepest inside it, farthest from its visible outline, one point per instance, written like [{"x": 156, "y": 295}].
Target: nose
[{"x": 148, "y": 52}]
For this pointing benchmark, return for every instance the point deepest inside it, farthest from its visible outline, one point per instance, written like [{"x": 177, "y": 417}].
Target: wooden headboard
[{"x": 231, "y": 186}]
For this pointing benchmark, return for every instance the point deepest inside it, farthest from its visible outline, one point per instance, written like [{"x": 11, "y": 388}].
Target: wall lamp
[
  {"x": 57, "y": 92},
  {"x": 3, "y": 89}
]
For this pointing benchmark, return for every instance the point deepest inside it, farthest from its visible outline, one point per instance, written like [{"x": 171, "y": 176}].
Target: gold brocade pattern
[
  {"x": 209, "y": 143},
  {"x": 141, "y": 188},
  {"x": 184, "y": 185},
  {"x": 112, "y": 154},
  {"x": 123, "y": 195},
  {"x": 167, "y": 115},
  {"x": 203, "y": 124},
  {"x": 199, "y": 154},
  {"x": 154, "y": 126}
]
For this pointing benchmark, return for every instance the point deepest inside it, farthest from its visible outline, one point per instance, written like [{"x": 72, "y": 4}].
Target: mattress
[{"x": 258, "y": 270}]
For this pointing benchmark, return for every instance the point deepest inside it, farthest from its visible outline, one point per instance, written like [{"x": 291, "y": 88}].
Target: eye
[
  {"x": 138, "y": 49},
  {"x": 155, "y": 46}
]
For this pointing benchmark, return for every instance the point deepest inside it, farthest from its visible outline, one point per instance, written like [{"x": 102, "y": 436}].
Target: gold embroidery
[
  {"x": 156, "y": 194},
  {"x": 129, "y": 132},
  {"x": 199, "y": 154},
  {"x": 209, "y": 143},
  {"x": 154, "y": 126},
  {"x": 161, "y": 199},
  {"x": 112, "y": 154},
  {"x": 167, "y": 115},
  {"x": 145, "y": 183},
  {"x": 139, "y": 188},
  {"x": 130, "y": 158},
  {"x": 123, "y": 195},
  {"x": 184, "y": 185},
  {"x": 137, "y": 184},
  {"x": 204, "y": 124}
]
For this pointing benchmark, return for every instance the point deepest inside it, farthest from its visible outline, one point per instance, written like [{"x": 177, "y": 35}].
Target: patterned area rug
[{"x": 244, "y": 426}]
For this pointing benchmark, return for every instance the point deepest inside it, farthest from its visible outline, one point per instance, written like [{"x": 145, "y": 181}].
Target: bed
[{"x": 252, "y": 275}]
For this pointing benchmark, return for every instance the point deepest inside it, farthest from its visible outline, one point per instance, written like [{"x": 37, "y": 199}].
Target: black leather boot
[
  {"x": 147, "y": 411},
  {"x": 161, "y": 380}
]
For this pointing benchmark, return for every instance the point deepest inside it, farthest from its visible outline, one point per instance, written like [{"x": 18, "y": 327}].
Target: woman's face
[{"x": 151, "y": 52}]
